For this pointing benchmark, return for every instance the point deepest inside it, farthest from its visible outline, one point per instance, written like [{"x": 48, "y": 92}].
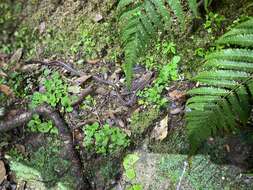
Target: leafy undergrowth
[{"x": 103, "y": 129}]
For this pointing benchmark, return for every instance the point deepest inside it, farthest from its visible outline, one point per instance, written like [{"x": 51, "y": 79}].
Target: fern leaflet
[
  {"x": 140, "y": 21},
  {"x": 222, "y": 101}
]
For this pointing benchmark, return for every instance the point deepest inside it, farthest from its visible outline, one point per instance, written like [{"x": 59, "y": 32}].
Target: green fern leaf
[
  {"x": 228, "y": 65},
  {"x": 245, "y": 40},
  {"x": 140, "y": 21},
  {"x": 224, "y": 96},
  {"x": 194, "y": 7},
  {"x": 178, "y": 11},
  {"x": 232, "y": 55}
]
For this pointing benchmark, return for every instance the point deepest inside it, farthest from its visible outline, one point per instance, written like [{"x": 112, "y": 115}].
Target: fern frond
[
  {"x": 224, "y": 96},
  {"x": 140, "y": 21},
  {"x": 178, "y": 11},
  {"x": 206, "y": 4},
  {"x": 193, "y": 6}
]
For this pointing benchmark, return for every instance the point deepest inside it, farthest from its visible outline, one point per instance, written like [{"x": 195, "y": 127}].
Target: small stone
[
  {"x": 2, "y": 171},
  {"x": 42, "y": 27},
  {"x": 98, "y": 17},
  {"x": 175, "y": 111}
]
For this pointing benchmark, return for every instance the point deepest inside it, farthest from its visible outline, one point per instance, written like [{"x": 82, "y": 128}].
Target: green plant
[
  {"x": 222, "y": 100},
  {"x": 200, "y": 52},
  {"x": 89, "y": 102},
  {"x": 104, "y": 140},
  {"x": 16, "y": 154},
  {"x": 162, "y": 51},
  {"x": 153, "y": 95},
  {"x": 169, "y": 47},
  {"x": 207, "y": 3},
  {"x": 36, "y": 125},
  {"x": 213, "y": 21},
  {"x": 9, "y": 17},
  {"x": 55, "y": 93},
  {"x": 140, "y": 22},
  {"x": 128, "y": 164}
]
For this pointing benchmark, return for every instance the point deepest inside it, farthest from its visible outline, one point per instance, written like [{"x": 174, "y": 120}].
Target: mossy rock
[
  {"x": 142, "y": 120},
  {"x": 44, "y": 169},
  {"x": 163, "y": 171}
]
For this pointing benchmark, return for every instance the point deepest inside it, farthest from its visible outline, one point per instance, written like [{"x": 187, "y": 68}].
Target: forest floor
[{"x": 68, "y": 54}]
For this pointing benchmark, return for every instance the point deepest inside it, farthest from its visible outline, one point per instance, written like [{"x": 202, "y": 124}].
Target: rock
[
  {"x": 2, "y": 171},
  {"x": 175, "y": 111},
  {"x": 97, "y": 17},
  {"x": 164, "y": 171},
  {"x": 42, "y": 27}
]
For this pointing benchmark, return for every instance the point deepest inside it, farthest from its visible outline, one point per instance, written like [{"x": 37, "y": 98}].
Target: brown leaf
[
  {"x": 82, "y": 79},
  {"x": 177, "y": 95},
  {"x": 2, "y": 171},
  {"x": 160, "y": 131},
  {"x": 14, "y": 61},
  {"x": 2, "y": 74},
  {"x": 93, "y": 62},
  {"x": 5, "y": 89}
]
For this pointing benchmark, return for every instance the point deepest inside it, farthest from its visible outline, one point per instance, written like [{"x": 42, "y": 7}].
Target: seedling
[
  {"x": 105, "y": 139},
  {"x": 36, "y": 125},
  {"x": 55, "y": 93}
]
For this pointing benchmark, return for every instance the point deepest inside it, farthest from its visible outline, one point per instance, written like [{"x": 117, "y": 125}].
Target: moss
[
  {"x": 44, "y": 165},
  {"x": 141, "y": 120},
  {"x": 176, "y": 142},
  {"x": 202, "y": 173}
]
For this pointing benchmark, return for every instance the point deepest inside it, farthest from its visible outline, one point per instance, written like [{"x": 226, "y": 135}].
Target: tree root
[
  {"x": 64, "y": 134},
  {"x": 74, "y": 72}
]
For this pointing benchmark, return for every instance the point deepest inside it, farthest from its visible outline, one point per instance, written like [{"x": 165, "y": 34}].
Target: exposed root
[
  {"x": 74, "y": 72},
  {"x": 64, "y": 134}
]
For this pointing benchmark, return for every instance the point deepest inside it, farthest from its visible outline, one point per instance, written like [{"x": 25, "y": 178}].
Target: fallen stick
[
  {"x": 74, "y": 72},
  {"x": 64, "y": 134}
]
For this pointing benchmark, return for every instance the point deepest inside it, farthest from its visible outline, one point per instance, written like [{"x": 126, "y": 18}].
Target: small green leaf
[
  {"x": 130, "y": 160},
  {"x": 130, "y": 173},
  {"x": 137, "y": 187}
]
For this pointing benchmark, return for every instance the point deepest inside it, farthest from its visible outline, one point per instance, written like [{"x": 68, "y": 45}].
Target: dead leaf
[
  {"x": 14, "y": 61},
  {"x": 5, "y": 89},
  {"x": 160, "y": 131},
  {"x": 82, "y": 79},
  {"x": 74, "y": 89},
  {"x": 177, "y": 95},
  {"x": 2, "y": 171},
  {"x": 93, "y": 62},
  {"x": 2, "y": 74},
  {"x": 227, "y": 147}
]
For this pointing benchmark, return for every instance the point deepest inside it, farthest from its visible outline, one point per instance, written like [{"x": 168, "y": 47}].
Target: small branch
[
  {"x": 74, "y": 72},
  {"x": 182, "y": 175},
  {"x": 82, "y": 95},
  {"x": 64, "y": 133}
]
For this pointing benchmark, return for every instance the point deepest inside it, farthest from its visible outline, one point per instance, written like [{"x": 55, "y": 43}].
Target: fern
[
  {"x": 140, "y": 21},
  {"x": 222, "y": 101}
]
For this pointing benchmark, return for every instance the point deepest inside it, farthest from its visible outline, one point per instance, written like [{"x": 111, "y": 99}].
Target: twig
[
  {"x": 182, "y": 175},
  {"x": 74, "y": 72},
  {"x": 83, "y": 94}
]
